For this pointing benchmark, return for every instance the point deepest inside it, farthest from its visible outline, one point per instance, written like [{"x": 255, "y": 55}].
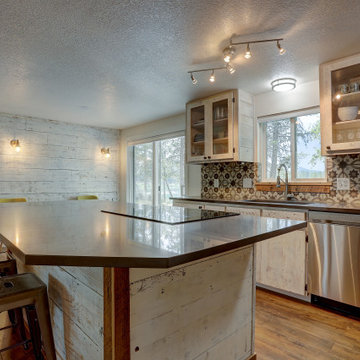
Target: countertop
[
  {"x": 77, "y": 233},
  {"x": 290, "y": 204}
]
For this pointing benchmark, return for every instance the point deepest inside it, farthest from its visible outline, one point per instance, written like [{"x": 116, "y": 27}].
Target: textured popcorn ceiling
[{"x": 121, "y": 63}]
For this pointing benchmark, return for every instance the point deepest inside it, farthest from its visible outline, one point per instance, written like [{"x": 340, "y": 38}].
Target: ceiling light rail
[
  {"x": 228, "y": 67},
  {"x": 229, "y": 53},
  {"x": 230, "y": 50}
]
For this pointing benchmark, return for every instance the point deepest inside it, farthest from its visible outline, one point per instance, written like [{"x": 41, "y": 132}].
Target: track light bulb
[
  {"x": 282, "y": 51},
  {"x": 230, "y": 68},
  {"x": 212, "y": 77},
  {"x": 193, "y": 80},
  {"x": 228, "y": 52},
  {"x": 248, "y": 52}
]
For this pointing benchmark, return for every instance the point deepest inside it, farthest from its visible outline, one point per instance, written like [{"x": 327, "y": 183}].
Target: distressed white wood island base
[{"x": 188, "y": 293}]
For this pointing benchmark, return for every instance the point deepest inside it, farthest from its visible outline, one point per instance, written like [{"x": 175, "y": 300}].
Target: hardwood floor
[
  {"x": 285, "y": 330},
  {"x": 7, "y": 338}
]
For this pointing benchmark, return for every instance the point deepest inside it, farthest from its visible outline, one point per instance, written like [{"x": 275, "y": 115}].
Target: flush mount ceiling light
[
  {"x": 228, "y": 54},
  {"x": 283, "y": 84}
]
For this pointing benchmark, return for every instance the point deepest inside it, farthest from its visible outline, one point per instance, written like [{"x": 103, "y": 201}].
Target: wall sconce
[
  {"x": 105, "y": 152},
  {"x": 15, "y": 143}
]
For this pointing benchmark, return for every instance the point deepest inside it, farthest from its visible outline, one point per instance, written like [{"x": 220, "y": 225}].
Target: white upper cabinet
[
  {"x": 220, "y": 128},
  {"x": 340, "y": 105}
]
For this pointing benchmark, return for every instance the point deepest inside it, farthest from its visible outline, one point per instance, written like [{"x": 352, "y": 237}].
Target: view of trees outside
[
  {"x": 278, "y": 146},
  {"x": 172, "y": 166},
  {"x": 167, "y": 159},
  {"x": 308, "y": 160},
  {"x": 143, "y": 173}
]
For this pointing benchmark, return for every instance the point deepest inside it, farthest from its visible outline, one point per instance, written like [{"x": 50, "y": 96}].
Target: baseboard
[
  {"x": 252, "y": 357},
  {"x": 285, "y": 293}
]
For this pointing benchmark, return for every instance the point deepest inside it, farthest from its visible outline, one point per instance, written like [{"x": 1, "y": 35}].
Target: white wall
[
  {"x": 304, "y": 96},
  {"x": 57, "y": 160},
  {"x": 155, "y": 128}
]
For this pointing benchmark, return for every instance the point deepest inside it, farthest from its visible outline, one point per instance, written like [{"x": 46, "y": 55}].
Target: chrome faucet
[{"x": 286, "y": 182}]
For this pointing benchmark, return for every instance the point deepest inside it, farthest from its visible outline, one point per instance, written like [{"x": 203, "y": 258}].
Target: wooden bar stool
[
  {"x": 8, "y": 267},
  {"x": 27, "y": 290}
]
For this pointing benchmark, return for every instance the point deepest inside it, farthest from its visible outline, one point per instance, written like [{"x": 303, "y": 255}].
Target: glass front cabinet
[
  {"x": 340, "y": 105},
  {"x": 220, "y": 128}
]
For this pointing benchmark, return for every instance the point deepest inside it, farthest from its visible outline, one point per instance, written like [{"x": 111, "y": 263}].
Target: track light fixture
[
  {"x": 194, "y": 81},
  {"x": 228, "y": 54},
  {"x": 282, "y": 51},
  {"x": 212, "y": 72},
  {"x": 248, "y": 52},
  {"x": 229, "y": 51}
]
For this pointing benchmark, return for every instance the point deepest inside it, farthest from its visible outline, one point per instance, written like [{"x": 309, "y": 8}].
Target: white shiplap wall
[{"x": 58, "y": 160}]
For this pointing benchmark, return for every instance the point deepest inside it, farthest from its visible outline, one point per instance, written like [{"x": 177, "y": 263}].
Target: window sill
[{"x": 299, "y": 186}]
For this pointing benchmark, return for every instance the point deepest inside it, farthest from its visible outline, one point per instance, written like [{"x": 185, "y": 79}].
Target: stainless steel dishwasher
[{"x": 334, "y": 256}]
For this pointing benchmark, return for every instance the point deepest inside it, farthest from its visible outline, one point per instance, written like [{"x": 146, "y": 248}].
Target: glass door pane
[
  {"x": 197, "y": 115},
  {"x": 143, "y": 173},
  {"x": 220, "y": 111},
  {"x": 172, "y": 160}
]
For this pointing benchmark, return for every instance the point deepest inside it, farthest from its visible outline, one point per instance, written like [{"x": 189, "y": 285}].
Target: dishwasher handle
[{"x": 334, "y": 218}]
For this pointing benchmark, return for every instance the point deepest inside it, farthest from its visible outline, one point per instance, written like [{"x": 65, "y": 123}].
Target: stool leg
[
  {"x": 12, "y": 318},
  {"x": 20, "y": 324},
  {"x": 43, "y": 314},
  {"x": 34, "y": 331}
]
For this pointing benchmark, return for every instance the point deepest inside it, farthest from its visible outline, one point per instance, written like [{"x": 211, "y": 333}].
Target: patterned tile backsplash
[{"x": 230, "y": 176}]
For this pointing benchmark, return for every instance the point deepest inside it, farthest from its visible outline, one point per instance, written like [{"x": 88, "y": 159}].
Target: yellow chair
[
  {"x": 11, "y": 200},
  {"x": 87, "y": 197}
]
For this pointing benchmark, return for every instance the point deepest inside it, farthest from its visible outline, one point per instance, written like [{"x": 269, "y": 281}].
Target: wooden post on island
[{"x": 116, "y": 314}]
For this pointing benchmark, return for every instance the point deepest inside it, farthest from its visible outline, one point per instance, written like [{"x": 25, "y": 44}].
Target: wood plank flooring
[
  {"x": 285, "y": 330},
  {"x": 291, "y": 330},
  {"x": 7, "y": 338}
]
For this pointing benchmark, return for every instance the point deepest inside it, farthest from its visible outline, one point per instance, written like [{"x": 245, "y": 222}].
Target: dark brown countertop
[
  {"x": 290, "y": 204},
  {"x": 77, "y": 233}
]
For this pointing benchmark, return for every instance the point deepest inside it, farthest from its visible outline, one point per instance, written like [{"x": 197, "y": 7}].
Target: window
[
  {"x": 157, "y": 170},
  {"x": 295, "y": 141}
]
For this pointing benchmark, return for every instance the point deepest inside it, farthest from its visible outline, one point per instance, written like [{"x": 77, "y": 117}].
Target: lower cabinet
[{"x": 281, "y": 262}]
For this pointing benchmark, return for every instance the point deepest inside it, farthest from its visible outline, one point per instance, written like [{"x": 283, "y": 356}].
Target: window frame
[
  {"x": 156, "y": 167},
  {"x": 261, "y": 146}
]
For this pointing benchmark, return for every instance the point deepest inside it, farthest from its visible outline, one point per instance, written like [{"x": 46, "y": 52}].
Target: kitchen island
[{"x": 123, "y": 288}]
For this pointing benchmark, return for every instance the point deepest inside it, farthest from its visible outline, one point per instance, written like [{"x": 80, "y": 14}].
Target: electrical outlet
[
  {"x": 216, "y": 183},
  {"x": 343, "y": 184},
  {"x": 247, "y": 183}
]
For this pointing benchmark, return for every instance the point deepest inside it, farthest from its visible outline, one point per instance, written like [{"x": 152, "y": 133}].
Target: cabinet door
[
  {"x": 221, "y": 126},
  {"x": 188, "y": 204},
  {"x": 281, "y": 261},
  {"x": 214, "y": 207},
  {"x": 196, "y": 131},
  {"x": 243, "y": 210}
]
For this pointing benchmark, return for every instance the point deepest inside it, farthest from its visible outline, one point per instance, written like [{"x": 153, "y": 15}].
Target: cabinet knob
[
  {"x": 200, "y": 207},
  {"x": 204, "y": 157},
  {"x": 209, "y": 157},
  {"x": 328, "y": 147}
]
